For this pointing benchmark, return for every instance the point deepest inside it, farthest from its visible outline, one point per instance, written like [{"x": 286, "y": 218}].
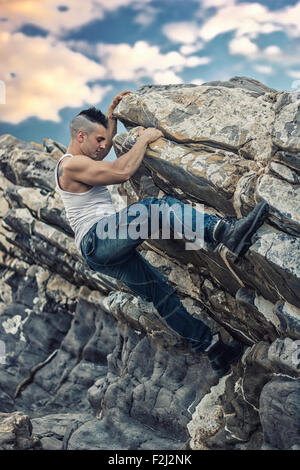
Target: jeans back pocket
[{"x": 90, "y": 243}]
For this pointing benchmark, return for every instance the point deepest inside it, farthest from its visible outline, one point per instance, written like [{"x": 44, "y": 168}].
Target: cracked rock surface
[{"x": 87, "y": 365}]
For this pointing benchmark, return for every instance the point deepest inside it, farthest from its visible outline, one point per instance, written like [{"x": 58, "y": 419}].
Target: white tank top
[{"x": 83, "y": 210}]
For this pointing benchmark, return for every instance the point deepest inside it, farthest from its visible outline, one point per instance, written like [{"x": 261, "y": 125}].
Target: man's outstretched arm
[{"x": 111, "y": 121}]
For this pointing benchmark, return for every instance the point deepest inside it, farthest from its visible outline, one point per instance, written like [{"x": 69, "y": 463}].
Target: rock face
[{"x": 85, "y": 364}]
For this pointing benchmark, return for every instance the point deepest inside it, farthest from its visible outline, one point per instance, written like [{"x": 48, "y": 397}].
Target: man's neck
[{"x": 73, "y": 149}]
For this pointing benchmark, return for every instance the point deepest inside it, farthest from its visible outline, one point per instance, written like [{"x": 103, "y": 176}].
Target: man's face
[{"x": 93, "y": 145}]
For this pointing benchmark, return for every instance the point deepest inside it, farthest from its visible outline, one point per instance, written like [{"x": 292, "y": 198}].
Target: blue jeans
[{"x": 109, "y": 247}]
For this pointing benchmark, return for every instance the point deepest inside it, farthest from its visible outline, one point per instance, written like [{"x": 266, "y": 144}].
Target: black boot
[
  {"x": 223, "y": 355},
  {"x": 236, "y": 234}
]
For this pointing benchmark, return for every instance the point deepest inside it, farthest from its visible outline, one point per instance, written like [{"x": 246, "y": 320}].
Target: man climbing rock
[{"x": 82, "y": 178}]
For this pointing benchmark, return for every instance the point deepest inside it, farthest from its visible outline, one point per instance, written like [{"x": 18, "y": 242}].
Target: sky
[{"x": 58, "y": 57}]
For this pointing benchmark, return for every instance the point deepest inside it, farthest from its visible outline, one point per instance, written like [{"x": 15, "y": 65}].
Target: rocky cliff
[{"x": 85, "y": 364}]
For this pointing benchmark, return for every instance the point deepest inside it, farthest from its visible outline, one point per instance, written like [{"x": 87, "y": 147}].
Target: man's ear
[{"x": 80, "y": 136}]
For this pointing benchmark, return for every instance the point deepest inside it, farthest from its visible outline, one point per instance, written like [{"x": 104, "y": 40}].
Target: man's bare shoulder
[
  {"x": 79, "y": 157},
  {"x": 78, "y": 161}
]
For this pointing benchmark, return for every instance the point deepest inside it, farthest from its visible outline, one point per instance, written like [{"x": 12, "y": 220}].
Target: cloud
[
  {"x": 264, "y": 69},
  {"x": 245, "y": 20},
  {"x": 166, "y": 78},
  {"x": 124, "y": 62},
  {"x": 289, "y": 18},
  {"x": 242, "y": 45},
  {"x": 272, "y": 51},
  {"x": 188, "y": 49},
  {"x": 294, "y": 73},
  {"x": 59, "y": 16},
  {"x": 45, "y": 76},
  {"x": 42, "y": 75},
  {"x": 271, "y": 54},
  {"x": 183, "y": 32},
  {"x": 47, "y": 15},
  {"x": 146, "y": 15},
  {"x": 197, "y": 81},
  {"x": 249, "y": 19},
  {"x": 216, "y": 3}
]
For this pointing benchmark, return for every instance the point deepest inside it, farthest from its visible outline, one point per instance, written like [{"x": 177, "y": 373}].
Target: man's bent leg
[
  {"x": 146, "y": 281},
  {"x": 118, "y": 258}
]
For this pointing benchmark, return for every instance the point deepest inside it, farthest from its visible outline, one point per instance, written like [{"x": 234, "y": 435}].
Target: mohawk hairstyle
[
  {"x": 94, "y": 115},
  {"x": 85, "y": 121}
]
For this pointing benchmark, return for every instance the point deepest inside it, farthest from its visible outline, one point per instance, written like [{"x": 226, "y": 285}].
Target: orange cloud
[
  {"x": 42, "y": 76},
  {"x": 58, "y": 16}
]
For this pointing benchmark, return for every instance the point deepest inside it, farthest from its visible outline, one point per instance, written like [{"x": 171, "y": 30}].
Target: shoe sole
[{"x": 245, "y": 242}]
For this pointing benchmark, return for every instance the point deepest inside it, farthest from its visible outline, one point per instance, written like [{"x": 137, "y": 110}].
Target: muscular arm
[
  {"x": 131, "y": 160},
  {"x": 112, "y": 123},
  {"x": 111, "y": 132},
  {"x": 92, "y": 172}
]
